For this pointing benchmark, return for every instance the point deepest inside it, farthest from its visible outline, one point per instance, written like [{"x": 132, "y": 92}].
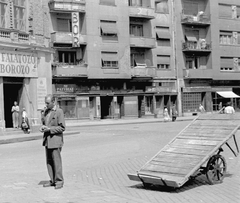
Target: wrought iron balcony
[
  {"x": 198, "y": 46},
  {"x": 66, "y": 37}
]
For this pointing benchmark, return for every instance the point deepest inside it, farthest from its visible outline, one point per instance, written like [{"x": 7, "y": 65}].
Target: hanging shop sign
[
  {"x": 18, "y": 64},
  {"x": 75, "y": 29}
]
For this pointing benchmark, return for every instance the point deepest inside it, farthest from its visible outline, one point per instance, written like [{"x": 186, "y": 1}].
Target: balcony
[
  {"x": 200, "y": 46},
  {"x": 143, "y": 72},
  {"x": 198, "y": 73},
  {"x": 67, "y": 5},
  {"x": 201, "y": 20},
  {"x": 66, "y": 37},
  {"x": 141, "y": 12},
  {"x": 70, "y": 70},
  {"x": 142, "y": 42}
]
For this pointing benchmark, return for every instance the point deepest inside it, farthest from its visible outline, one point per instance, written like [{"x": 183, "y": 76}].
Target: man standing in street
[
  {"x": 53, "y": 125},
  {"x": 174, "y": 113}
]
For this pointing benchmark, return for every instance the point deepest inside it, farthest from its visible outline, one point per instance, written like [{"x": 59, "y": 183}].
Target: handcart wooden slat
[{"x": 194, "y": 151}]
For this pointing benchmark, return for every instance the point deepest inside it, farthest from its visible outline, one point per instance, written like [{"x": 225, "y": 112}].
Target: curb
[{"x": 30, "y": 138}]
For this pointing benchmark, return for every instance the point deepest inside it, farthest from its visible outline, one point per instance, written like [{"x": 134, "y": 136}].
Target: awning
[
  {"x": 163, "y": 35},
  {"x": 109, "y": 28},
  {"x": 191, "y": 38},
  {"x": 109, "y": 56},
  {"x": 228, "y": 94}
]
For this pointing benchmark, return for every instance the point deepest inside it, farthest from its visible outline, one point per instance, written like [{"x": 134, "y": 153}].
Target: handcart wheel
[{"x": 216, "y": 169}]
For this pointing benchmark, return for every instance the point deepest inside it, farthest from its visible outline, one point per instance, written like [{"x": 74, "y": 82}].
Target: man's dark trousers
[{"x": 54, "y": 165}]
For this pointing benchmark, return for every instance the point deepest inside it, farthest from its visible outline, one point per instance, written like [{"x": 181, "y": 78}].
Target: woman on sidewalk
[{"x": 15, "y": 114}]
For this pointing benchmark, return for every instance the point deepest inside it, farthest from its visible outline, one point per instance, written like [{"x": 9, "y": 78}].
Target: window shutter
[
  {"x": 108, "y": 2},
  {"x": 190, "y": 8},
  {"x": 225, "y": 11},
  {"x": 163, "y": 59},
  {"x": 226, "y": 62}
]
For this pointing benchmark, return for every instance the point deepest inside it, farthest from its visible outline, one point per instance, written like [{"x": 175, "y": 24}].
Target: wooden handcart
[{"x": 194, "y": 151}]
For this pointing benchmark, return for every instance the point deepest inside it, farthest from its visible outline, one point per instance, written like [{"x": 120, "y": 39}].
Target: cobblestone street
[{"x": 96, "y": 164}]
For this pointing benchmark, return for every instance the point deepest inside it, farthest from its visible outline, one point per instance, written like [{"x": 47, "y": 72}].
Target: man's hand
[{"x": 44, "y": 129}]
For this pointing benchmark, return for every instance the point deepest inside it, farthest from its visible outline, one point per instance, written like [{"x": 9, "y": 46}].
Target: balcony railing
[
  {"x": 141, "y": 12},
  {"x": 200, "y": 19},
  {"x": 70, "y": 69},
  {"x": 144, "y": 42},
  {"x": 198, "y": 73},
  {"x": 143, "y": 71},
  {"x": 160, "y": 89},
  {"x": 201, "y": 46},
  {"x": 67, "y": 5},
  {"x": 66, "y": 37}
]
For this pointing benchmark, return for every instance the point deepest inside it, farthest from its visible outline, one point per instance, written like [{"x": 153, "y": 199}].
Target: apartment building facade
[
  {"x": 112, "y": 58},
  {"x": 25, "y": 58},
  {"x": 207, "y": 53}
]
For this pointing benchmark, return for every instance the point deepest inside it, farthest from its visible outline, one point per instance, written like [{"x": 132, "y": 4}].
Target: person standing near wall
[
  {"x": 15, "y": 114},
  {"x": 174, "y": 113},
  {"x": 53, "y": 126}
]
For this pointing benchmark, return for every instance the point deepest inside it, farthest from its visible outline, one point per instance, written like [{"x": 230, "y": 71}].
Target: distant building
[{"x": 113, "y": 58}]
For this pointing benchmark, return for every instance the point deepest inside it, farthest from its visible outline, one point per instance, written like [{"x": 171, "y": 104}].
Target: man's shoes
[
  {"x": 58, "y": 186},
  {"x": 49, "y": 184}
]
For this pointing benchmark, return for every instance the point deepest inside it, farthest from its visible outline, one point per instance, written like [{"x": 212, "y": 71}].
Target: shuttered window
[
  {"x": 226, "y": 62},
  {"x": 109, "y": 59},
  {"x": 225, "y": 11},
  {"x": 190, "y": 8},
  {"x": 163, "y": 62},
  {"x": 108, "y": 27}
]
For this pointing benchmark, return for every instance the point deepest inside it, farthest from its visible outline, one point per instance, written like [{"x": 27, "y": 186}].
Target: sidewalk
[{"x": 18, "y": 135}]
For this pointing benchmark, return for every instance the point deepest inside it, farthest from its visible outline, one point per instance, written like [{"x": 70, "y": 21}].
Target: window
[
  {"x": 229, "y": 38},
  {"x": 190, "y": 8},
  {"x": 163, "y": 62},
  {"x": 68, "y": 57},
  {"x": 108, "y": 30},
  {"x": 108, "y": 2},
  {"x": 226, "y": 64},
  {"x": 3, "y": 5},
  {"x": 109, "y": 60},
  {"x": 192, "y": 63},
  {"x": 225, "y": 11},
  {"x": 162, "y": 7},
  {"x": 135, "y": 3},
  {"x": 163, "y": 36},
  {"x": 138, "y": 59},
  {"x": 19, "y": 14},
  {"x": 136, "y": 30},
  {"x": 191, "y": 101},
  {"x": 64, "y": 25}
]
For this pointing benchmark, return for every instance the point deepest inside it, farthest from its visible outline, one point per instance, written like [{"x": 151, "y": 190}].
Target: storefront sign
[
  {"x": 41, "y": 92},
  {"x": 18, "y": 64},
  {"x": 65, "y": 88},
  {"x": 75, "y": 29}
]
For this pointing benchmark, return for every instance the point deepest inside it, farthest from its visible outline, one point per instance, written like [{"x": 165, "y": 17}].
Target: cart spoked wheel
[{"x": 216, "y": 169}]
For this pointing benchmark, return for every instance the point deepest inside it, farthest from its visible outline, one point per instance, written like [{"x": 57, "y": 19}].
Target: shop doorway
[
  {"x": 106, "y": 107},
  {"x": 12, "y": 93}
]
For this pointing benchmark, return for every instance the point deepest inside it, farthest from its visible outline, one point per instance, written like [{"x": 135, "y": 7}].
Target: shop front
[{"x": 25, "y": 78}]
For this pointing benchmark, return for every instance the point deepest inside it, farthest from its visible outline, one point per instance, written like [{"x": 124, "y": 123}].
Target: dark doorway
[
  {"x": 106, "y": 107},
  {"x": 11, "y": 93},
  {"x": 141, "y": 106}
]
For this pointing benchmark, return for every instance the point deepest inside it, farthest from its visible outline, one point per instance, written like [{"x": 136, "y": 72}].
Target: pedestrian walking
[
  {"x": 25, "y": 122},
  {"x": 53, "y": 126},
  {"x": 229, "y": 109},
  {"x": 166, "y": 116},
  {"x": 15, "y": 114},
  {"x": 174, "y": 113},
  {"x": 201, "y": 108}
]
